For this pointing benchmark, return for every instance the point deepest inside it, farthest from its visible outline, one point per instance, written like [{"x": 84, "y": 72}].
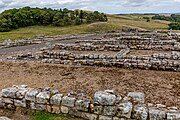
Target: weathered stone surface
[
  {"x": 32, "y": 106},
  {"x": 137, "y": 96},
  {"x": 82, "y": 105},
  {"x": 117, "y": 118},
  {"x": 56, "y": 109},
  {"x": 173, "y": 115},
  {"x": 4, "y": 118},
  {"x": 9, "y": 92},
  {"x": 43, "y": 97},
  {"x": 104, "y": 98},
  {"x": 68, "y": 101},
  {"x": 31, "y": 95},
  {"x": 90, "y": 116},
  {"x": 109, "y": 110},
  {"x": 49, "y": 108},
  {"x": 21, "y": 93},
  {"x": 98, "y": 109},
  {"x": 20, "y": 103},
  {"x": 101, "y": 117},
  {"x": 124, "y": 110},
  {"x": 10, "y": 106},
  {"x": 40, "y": 107},
  {"x": 56, "y": 99},
  {"x": 8, "y": 100},
  {"x": 156, "y": 114},
  {"x": 140, "y": 112},
  {"x": 64, "y": 109}
]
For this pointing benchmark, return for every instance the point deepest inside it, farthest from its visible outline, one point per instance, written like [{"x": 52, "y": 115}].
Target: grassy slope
[{"x": 114, "y": 23}]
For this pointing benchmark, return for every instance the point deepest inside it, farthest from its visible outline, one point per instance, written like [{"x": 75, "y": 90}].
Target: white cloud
[{"x": 109, "y": 6}]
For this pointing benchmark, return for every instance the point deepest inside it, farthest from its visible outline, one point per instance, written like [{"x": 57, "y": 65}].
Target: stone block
[
  {"x": 117, "y": 118},
  {"x": 40, "y": 107},
  {"x": 20, "y": 103},
  {"x": 98, "y": 109},
  {"x": 124, "y": 110},
  {"x": 8, "y": 100},
  {"x": 64, "y": 109},
  {"x": 82, "y": 105},
  {"x": 49, "y": 108},
  {"x": 137, "y": 96},
  {"x": 43, "y": 97},
  {"x": 56, "y": 99},
  {"x": 21, "y": 93},
  {"x": 104, "y": 98},
  {"x": 9, "y": 92},
  {"x": 156, "y": 114},
  {"x": 140, "y": 112},
  {"x": 32, "y": 106},
  {"x": 56, "y": 109},
  {"x": 109, "y": 111},
  {"x": 101, "y": 117},
  {"x": 173, "y": 115},
  {"x": 31, "y": 95},
  {"x": 68, "y": 101},
  {"x": 90, "y": 116}
]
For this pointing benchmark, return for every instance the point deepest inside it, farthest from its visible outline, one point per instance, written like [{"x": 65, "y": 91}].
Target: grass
[
  {"x": 48, "y": 116},
  {"x": 114, "y": 23}
]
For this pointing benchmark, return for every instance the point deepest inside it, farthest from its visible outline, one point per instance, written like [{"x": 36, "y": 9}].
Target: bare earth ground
[{"x": 159, "y": 86}]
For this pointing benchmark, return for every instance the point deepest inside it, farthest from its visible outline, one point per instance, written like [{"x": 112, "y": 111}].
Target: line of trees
[
  {"x": 174, "y": 18},
  {"x": 27, "y": 16}
]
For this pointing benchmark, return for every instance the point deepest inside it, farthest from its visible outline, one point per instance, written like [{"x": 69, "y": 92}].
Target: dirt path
[{"x": 159, "y": 86}]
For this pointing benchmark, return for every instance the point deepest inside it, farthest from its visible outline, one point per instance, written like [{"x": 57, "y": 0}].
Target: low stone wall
[
  {"x": 88, "y": 47},
  {"x": 104, "y": 105},
  {"x": 160, "y": 61},
  {"x": 138, "y": 43},
  {"x": 11, "y": 43}
]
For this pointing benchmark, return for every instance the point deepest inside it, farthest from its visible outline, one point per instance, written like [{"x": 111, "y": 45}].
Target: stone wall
[
  {"x": 161, "y": 61},
  {"x": 104, "y": 105}
]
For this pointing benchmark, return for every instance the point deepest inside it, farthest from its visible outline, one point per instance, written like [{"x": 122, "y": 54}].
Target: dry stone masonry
[
  {"x": 104, "y": 105},
  {"x": 114, "y": 50}
]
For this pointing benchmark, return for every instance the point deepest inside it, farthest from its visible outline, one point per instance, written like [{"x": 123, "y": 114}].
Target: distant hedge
[
  {"x": 174, "y": 26},
  {"x": 27, "y": 16},
  {"x": 174, "y": 18}
]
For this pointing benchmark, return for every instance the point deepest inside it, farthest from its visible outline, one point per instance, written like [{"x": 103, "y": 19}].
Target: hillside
[{"x": 115, "y": 22}]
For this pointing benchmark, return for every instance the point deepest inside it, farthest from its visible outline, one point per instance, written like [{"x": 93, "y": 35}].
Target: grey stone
[
  {"x": 43, "y": 97},
  {"x": 124, "y": 110},
  {"x": 68, "y": 101},
  {"x": 109, "y": 110},
  {"x": 56, "y": 99},
  {"x": 9, "y": 92},
  {"x": 8, "y": 100},
  {"x": 1, "y": 101},
  {"x": 40, "y": 107},
  {"x": 104, "y": 98},
  {"x": 156, "y": 114},
  {"x": 21, "y": 93},
  {"x": 173, "y": 115},
  {"x": 82, "y": 105},
  {"x": 20, "y": 103},
  {"x": 90, "y": 116},
  {"x": 31, "y": 95},
  {"x": 140, "y": 112},
  {"x": 98, "y": 109},
  {"x": 137, "y": 96},
  {"x": 4, "y": 118},
  {"x": 64, "y": 109},
  {"x": 101, "y": 117}
]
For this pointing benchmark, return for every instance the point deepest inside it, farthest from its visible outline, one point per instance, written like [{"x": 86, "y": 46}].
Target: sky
[{"x": 106, "y": 6}]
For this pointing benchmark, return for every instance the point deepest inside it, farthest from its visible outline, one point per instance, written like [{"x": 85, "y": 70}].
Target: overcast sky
[{"x": 107, "y": 6}]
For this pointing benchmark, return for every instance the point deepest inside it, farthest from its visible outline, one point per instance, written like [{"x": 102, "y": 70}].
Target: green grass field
[{"x": 114, "y": 23}]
